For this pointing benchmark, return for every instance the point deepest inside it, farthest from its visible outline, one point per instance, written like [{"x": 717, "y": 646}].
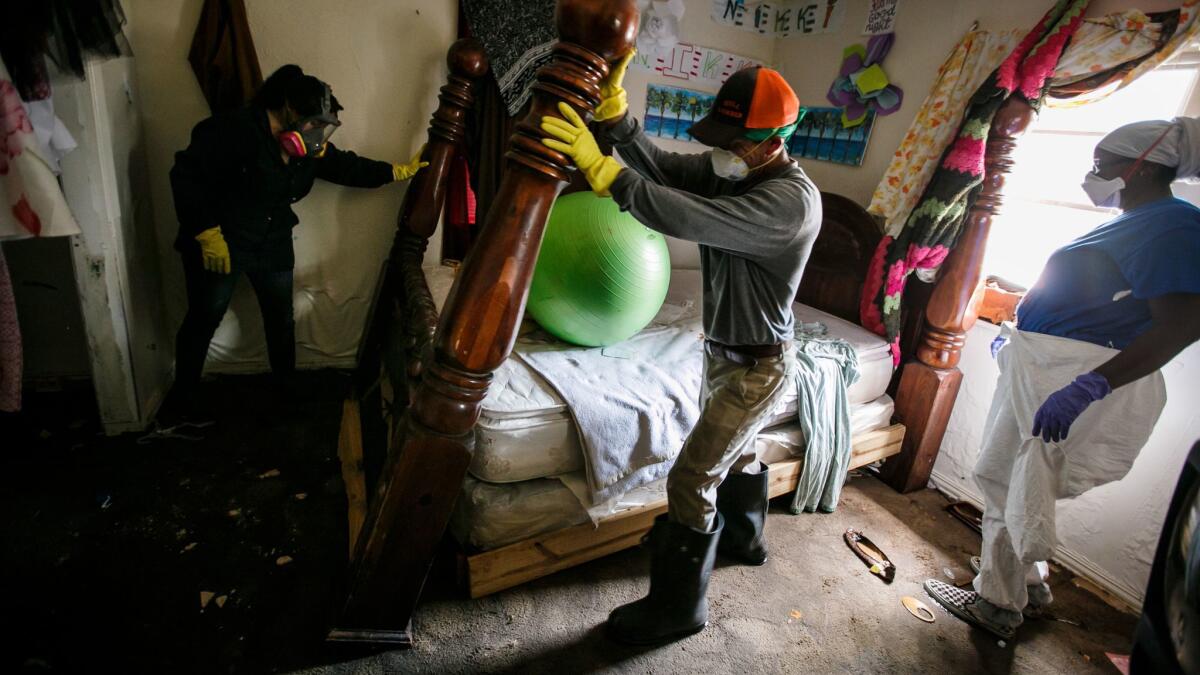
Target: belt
[{"x": 743, "y": 355}]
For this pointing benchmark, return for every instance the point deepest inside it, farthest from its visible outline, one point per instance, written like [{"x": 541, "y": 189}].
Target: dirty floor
[{"x": 111, "y": 548}]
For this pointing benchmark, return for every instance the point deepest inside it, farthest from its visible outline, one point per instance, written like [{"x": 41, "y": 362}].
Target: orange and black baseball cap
[{"x": 752, "y": 99}]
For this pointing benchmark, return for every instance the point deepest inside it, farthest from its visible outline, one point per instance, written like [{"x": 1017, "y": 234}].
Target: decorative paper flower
[
  {"x": 659, "y": 25},
  {"x": 862, "y": 85}
]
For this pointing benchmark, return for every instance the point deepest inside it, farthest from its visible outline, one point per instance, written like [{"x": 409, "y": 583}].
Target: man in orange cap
[{"x": 755, "y": 215}]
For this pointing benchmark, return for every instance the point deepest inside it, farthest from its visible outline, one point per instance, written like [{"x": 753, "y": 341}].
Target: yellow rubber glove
[
  {"x": 571, "y": 137},
  {"x": 613, "y": 99},
  {"x": 406, "y": 171},
  {"x": 214, "y": 250}
]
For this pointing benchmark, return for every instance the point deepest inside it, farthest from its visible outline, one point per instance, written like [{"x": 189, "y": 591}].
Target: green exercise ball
[{"x": 601, "y": 275}]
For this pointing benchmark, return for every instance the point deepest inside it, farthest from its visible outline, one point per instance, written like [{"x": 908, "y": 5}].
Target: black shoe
[
  {"x": 183, "y": 406},
  {"x": 681, "y": 561},
  {"x": 742, "y": 501}
]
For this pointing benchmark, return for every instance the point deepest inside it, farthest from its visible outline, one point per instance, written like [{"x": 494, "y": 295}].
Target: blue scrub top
[{"x": 1096, "y": 288}]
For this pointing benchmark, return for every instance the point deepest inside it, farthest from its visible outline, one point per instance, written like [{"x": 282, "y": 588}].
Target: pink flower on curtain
[
  {"x": 13, "y": 121},
  {"x": 869, "y": 314},
  {"x": 1040, "y": 65},
  {"x": 966, "y": 156},
  {"x": 925, "y": 257},
  {"x": 27, "y": 217}
]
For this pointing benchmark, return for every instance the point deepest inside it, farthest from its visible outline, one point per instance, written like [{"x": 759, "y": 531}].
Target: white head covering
[{"x": 1179, "y": 148}]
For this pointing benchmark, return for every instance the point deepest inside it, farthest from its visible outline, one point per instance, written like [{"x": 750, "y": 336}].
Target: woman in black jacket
[{"x": 234, "y": 187}]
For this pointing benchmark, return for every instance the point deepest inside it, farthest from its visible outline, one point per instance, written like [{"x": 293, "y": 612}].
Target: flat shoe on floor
[{"x": 870, "y": 554}]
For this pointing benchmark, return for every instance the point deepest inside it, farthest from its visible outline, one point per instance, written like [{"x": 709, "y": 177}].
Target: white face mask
[
  {"x": 728, "y": 165},
  {"x": 1104, "y": 193}
]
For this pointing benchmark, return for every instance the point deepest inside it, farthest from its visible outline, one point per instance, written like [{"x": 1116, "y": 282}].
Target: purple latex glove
[
  {"x": 997, "y": 344},
  {"x": 1053, "y": 420}
]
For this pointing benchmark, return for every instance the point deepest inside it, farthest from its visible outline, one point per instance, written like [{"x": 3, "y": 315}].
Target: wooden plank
[
  {"x": 515, "y": 564},
  {"x": 350, "y": 452}
]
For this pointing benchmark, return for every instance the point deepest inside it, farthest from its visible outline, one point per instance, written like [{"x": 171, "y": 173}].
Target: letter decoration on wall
[
  {"x": 783, "y": 18},
  {"x": 701, "y": 66}
]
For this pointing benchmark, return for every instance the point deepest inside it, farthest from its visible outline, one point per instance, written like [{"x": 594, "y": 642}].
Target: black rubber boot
[
  {"x": 742, "y": 501},
  {"x": 681, "y": 561}
]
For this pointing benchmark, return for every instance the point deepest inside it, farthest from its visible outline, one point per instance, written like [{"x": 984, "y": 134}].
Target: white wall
[{"x": 385, "y": 60}]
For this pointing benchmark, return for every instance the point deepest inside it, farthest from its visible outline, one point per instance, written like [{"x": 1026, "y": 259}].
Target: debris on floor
[
  {"x": 875, "y": 559},
  {"x": 269, "y": 474},
  {"x": 918, "y": 609},
  {"x": 205, "y": 598},
  {"x": 795, "y": 615},
  {"x": 283, "y": 560},
  {"x": 967, "y": 513}
]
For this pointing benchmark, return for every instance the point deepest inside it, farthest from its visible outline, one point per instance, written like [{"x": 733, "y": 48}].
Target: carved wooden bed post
[
  {"x": 929, "y": 383},
  {"x": 478, "y": 327}
]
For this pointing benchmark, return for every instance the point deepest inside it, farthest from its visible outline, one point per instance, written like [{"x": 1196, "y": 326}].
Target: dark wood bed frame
[{"x": 439, "y": 368}]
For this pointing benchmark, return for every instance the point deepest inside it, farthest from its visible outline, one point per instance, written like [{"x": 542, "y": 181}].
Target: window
[{"x": 1044, "y": 207}]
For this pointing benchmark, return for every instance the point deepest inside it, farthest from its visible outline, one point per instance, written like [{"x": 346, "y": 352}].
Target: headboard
[{"x": 837, "y": 267}]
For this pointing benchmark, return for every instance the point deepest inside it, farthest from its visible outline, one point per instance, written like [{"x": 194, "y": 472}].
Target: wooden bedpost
[
  {"x": 478, "y": 327},
  {"x": 929, "y": 383}
]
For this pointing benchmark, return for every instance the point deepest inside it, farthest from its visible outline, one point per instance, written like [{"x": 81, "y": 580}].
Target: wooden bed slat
[{"x": 515, "y": 564}]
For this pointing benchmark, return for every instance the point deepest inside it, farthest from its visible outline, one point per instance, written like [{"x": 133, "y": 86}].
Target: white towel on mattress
[{"x": 633, "y": 402}]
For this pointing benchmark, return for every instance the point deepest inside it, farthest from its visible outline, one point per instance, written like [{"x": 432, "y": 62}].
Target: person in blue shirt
[{"x": 1080, "y": 388}]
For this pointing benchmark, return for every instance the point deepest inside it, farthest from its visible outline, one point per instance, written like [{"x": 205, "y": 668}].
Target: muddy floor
[{"x": 225, "y": 554}]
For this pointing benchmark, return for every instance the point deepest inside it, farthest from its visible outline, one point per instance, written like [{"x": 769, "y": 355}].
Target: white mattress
[
  {"x": 523, "y": 412},
  {"x": 490, "y": 515}
]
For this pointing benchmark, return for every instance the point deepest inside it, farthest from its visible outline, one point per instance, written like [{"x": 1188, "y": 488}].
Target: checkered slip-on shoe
[
  {"x": 1039, "y": 598},
  {"x": 965, "y": 605}
]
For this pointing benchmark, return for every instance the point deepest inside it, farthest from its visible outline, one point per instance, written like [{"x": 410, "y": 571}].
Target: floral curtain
[
  {"x": 913, "y": 163},
  {"x": 932, "y": 228},
  {"x": 1111, "y": 52}
]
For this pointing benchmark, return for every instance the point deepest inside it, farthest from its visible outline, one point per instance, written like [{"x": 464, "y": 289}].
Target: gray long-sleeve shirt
[{"x": 755, "y": 235}]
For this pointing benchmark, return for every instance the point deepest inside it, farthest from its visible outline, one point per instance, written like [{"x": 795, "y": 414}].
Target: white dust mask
[
  {"x": 1104, "y": 193},
  {"x": 728, "y": 165}
]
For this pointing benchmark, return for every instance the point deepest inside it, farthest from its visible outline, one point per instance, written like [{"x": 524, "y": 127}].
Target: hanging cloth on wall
[
  {"x": 518, "y": 38},
  {"x": 932, "y": 229},
  {"x": 31, "y": 202},
  {"x": 64, "y": 30},
  {"x": 223, "y": 56},
  {"x": 1111, "y": 52},
  {"x": 10, "y": 344},
  {"x": 913, "y": 163}
]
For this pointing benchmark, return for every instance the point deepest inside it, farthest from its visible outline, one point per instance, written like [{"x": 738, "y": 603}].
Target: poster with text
[
  {"x": 671, "y": 111},
  {"x": 696, "y": 65},
  {"x": 781, "y": 18},
  {"x": 881, "y": 17}
]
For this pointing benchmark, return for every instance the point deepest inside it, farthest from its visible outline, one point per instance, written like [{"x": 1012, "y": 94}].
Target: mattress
[
  {"x": 490, "y": 515},
  {"x": 523, "y": 411}
]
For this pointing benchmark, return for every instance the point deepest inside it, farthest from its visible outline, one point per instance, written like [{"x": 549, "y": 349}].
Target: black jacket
[{"x": 232, "y": 175}]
